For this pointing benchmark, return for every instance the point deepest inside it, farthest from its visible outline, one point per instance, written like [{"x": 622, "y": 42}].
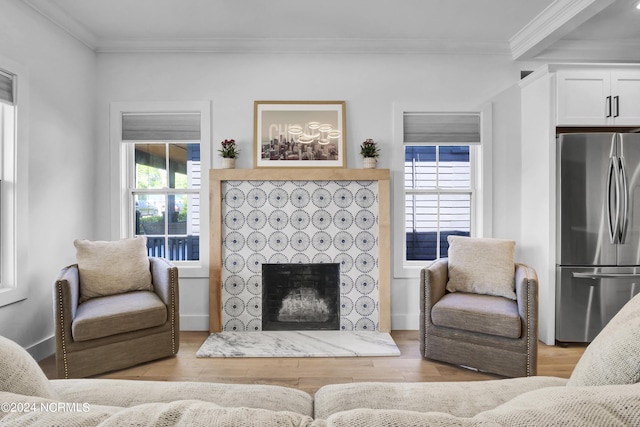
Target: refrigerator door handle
[
  {"x": 623, "y": 214},
  {"x": 612, "y": 178},
  {"x": 606, "y": 275}
]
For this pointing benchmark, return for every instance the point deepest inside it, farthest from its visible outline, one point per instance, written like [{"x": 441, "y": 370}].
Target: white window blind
[
  {"x": 436, "y": 128},
  {"x": 6, "y": 87},
  {"x": 161, "y": 127}
]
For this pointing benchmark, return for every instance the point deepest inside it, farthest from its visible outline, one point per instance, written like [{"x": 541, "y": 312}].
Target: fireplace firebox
[{"x": 300, "y": 296}]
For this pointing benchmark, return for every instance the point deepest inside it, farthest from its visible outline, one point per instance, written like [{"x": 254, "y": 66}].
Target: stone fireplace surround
[{"x": 234, "y": 205}]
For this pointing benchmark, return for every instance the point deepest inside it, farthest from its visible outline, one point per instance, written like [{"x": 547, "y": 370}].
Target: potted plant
[
  {"x": 370, "y": 151},
  {"x": 229, "y": 153}
]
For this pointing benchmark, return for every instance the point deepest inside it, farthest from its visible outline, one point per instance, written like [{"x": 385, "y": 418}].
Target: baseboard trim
[
  {"x": 194, "y": 322},
  {"x": 405, "y": 322},
  {"x": 43, "y": 349}
]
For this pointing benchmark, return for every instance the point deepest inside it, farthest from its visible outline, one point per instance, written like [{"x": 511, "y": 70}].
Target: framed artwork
[{"x": 299, "y": 134}]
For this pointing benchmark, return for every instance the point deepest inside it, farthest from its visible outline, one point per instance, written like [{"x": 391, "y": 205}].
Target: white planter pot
[
  {"x": 228, "y": 163},
  {"x": 369, "y": 162}
]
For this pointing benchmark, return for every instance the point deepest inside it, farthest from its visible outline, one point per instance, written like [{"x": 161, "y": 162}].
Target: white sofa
[{"x": 603, "y": 391}]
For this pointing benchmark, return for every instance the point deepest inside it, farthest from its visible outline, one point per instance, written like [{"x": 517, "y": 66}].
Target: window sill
[
  {"x": 191, "y": 270},
  {"x": 12, "y": 295},
  {"x": 411, "y": 271}
]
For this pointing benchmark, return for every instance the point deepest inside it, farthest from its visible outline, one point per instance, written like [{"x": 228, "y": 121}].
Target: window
[
  {"x": 163, "y": 156},
  {"x": 12, "y": 182},
  {"x": 439, "y": 191},
  {"x": 442, "y": 156}
]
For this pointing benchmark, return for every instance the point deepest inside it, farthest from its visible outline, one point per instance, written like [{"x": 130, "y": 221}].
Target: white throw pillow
[
  {"x": 481, "y": 266},
  {"x": 108, "y": 268}
]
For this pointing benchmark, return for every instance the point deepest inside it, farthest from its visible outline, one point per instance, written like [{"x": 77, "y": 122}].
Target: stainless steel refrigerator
[{"x": 598, "y": 230}]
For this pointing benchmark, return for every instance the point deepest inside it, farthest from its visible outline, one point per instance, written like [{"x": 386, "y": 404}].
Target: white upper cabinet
[
  {"x": 625, "y": 88},
  {"x": 598, "y": 98}
]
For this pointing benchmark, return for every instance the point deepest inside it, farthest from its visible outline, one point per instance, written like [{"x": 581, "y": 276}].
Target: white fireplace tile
[
  {"x": 299, "y": 344},
  {"x": 300, "y": 222}
]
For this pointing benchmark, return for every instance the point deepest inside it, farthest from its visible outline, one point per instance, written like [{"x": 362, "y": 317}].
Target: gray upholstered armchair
[
  {"x": 116, "y": 331},
  {"x": 486, "y": 332}
]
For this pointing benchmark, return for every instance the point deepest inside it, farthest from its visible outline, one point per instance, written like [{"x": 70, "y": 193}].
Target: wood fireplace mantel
[{"x": 218, "y": 176}]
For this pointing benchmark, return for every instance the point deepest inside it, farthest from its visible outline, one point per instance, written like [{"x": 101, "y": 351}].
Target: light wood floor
[{"x": 309, "y": 374}]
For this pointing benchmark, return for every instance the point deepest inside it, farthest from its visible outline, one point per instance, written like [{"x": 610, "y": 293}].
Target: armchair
[
  {"x": 486, "y": 332},
  {"x": 116, "y": 331}
]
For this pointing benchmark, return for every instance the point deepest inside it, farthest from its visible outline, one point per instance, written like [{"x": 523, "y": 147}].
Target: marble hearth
[{"x": 298, "y": 344}]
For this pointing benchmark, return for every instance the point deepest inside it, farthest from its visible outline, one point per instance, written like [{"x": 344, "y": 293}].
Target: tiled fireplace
[{"x": 299, "y": 216}]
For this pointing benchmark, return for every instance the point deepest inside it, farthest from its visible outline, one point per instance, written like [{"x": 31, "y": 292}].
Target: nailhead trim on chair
[
  {"x": 172, "y": 284},
  {"x": 529, "y": 309},
  {"x": 528, "y": 328},
  {"x": 63, "y": 334}
]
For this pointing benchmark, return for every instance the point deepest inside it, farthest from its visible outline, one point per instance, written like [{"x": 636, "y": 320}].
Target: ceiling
[{"x": 524, "y": 29}]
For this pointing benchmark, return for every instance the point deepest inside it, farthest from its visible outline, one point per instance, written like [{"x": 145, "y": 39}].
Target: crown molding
[
  {"x": 593, "y": 51},
  {"x": 556, "y": 21},
  {"x": 65, "y": 21},
  {"x": 267, "y": 45},
  {"x": 303, "y": 46}
]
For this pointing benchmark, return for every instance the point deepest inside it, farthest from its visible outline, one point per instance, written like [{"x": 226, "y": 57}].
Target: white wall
[
  {"x": 506, "y": 166},
  {"x": 369, "y": 84},
  {"x": 538, "y": 193},
  {"x": 61, "y": 157}
]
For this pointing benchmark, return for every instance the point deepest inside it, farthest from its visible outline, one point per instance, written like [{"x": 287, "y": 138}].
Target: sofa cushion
[
  {"x": 462, "y": 399},
  {"x": 553, "y": 406},
  {"x": 108, "y": 268},
  {"x": 20, "y": 374},
  {"x": 127, "y": 393},
  {"x": 189, "y": 413},
  {"x": 117, "y": 314},
  {"x": 569, "y": 406},
  {"x": 486, "y": 314},
  {"x": 481, "y": 266},
  {"x": 613, "y": 357}
]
